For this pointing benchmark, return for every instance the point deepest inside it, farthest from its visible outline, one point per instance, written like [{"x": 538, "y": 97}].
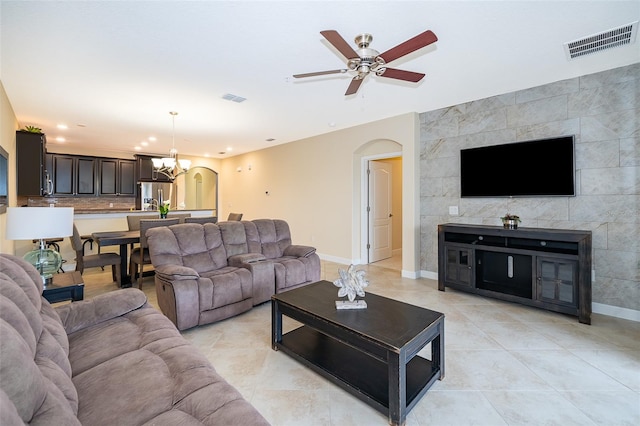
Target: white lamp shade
[
  {"x": 30, "y": 223},
  {"x": 169, "y": 162},
  {"x": 157, "y": 162},
  {"x": 184, "y": 164}
]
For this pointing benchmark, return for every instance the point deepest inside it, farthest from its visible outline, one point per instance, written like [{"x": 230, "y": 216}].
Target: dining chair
[
  {"x": 140, "y": 255},
  {"x": 93, "y": 260},
  {"x": 133, "y": 222},
  {"x": 181, "y": 216},
  {"x": 201, "y": 219},
  {"x": 235, "y": 216}
]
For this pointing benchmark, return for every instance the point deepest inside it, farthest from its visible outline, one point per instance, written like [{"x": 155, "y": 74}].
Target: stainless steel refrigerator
[{"x": 154, "y": 193}]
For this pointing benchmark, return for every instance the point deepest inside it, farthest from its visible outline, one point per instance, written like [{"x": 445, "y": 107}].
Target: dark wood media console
[{"x": 546, "y": 268}]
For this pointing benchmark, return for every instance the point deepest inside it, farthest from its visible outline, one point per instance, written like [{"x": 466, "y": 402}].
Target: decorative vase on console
[{"x": 510, "y": 221}]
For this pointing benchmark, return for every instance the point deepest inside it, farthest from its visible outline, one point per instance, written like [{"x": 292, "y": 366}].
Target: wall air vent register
[{"x": 614, "y": 37}]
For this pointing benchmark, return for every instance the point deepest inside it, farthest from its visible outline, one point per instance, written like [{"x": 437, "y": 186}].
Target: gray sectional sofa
[
  {"x": 109, "y": 360},
  {"x": 206, "y": 273}
]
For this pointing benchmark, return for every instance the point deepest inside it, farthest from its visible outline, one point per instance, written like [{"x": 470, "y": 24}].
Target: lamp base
[{"x": 46, "y": 261}]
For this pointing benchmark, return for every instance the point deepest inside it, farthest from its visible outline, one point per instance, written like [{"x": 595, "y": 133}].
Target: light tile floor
[{"x": 506, "y": 364}]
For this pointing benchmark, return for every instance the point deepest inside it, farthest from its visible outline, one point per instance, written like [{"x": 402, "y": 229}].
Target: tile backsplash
[{"x": 80, "y": 203}]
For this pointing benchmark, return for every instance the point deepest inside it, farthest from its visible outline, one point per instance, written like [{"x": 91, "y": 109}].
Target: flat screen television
[{"x": 536, "y": 168}]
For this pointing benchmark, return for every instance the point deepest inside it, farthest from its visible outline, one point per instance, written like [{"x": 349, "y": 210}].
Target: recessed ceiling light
[
  {"x": 62, "y": 126},
  {"x": 229, "y": 148},
  {"x": 152, "y": 138},
  {"x": 60, "y": 139},
  {"x": 144, "y": 143},
  {"x": 137, "y": 148},
  {"x": 233, "y": 98}
]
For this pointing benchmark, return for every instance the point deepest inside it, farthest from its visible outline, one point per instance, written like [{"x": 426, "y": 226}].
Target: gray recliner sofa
[
  {"x": 206, "y": 273},
  {"x": 109, "y": 360}
]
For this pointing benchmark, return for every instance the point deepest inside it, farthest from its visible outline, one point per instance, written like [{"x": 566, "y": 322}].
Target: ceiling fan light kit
[{"x": 366, "y": 60}]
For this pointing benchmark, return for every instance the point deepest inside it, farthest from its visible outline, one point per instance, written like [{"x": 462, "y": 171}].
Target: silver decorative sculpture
[{"x": 351, "y": 283}]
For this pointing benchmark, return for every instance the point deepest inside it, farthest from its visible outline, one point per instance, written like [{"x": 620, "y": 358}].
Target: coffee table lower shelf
[{"x": 360, "y": 373}]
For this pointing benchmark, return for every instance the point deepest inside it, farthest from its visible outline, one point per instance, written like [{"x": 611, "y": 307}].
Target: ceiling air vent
[
  {"x": 615, "y": 37},
  {"x": 233, "y": 98}
]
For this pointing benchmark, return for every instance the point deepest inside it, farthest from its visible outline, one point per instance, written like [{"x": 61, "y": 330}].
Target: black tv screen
[{"x": 543, "y": 167}]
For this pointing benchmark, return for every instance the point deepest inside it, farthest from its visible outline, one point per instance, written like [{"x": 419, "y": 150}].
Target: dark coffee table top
[{"x": 385, "y": 320}]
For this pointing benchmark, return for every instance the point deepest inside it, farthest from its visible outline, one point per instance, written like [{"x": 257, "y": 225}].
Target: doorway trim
[{"x": 364, "y": 217}]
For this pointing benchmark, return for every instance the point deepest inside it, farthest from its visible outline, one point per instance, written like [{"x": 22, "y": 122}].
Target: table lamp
[{"x": 40, "y": 223}]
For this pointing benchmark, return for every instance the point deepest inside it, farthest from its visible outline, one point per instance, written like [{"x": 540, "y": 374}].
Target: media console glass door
[{"x": 557, "y": 281}]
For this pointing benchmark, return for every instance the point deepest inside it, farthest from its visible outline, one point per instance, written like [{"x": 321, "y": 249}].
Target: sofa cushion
[
  {"x": 234, "y": 237},
  {"x": 275, "y": 237},
  {"x": 35, "y": 373},
  {"x": 193, "y": 245},
  {"x": 225, "y": 286}
]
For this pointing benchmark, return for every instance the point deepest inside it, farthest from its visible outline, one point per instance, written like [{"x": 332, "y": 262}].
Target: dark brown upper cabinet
[
  {"x": 72, "y": 175},
  {"x": 117, "y": 177},
  {"x": 32, "y": 178}
]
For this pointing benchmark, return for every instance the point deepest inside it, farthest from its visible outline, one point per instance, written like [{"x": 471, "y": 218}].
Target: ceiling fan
[{"x": 365, "y": 60}]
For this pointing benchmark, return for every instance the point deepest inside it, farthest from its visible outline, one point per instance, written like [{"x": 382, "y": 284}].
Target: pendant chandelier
[{"x": 171, "y": 166}]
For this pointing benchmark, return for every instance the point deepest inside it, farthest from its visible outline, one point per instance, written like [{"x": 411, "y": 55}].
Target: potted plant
[
  {"x": 163, "y": 208},
  {"x": 32, "y": 129},
  {"x": 510, "y": 221}
]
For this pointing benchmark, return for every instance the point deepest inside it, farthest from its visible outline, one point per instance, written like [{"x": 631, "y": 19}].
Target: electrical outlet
[
  {"x": 110, "y": 204},
  {"x": 52, "y": 205}
]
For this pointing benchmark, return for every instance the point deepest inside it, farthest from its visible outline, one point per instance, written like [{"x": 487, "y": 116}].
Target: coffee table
[{"x": 372, "y": 353}]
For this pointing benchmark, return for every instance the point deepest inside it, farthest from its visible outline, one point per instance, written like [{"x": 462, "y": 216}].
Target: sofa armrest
[
  {"x": 238, "y": 260},
  {"x": 86, "y": 313},
  {"x": 299, "y": 251},
  {"x": 176, "y": 273}
]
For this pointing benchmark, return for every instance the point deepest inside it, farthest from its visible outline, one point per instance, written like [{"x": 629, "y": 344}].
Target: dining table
[{"x": 122, "y": 239}]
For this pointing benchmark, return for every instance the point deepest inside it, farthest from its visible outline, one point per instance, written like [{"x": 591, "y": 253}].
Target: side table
[{"x": 67, "y": 286}]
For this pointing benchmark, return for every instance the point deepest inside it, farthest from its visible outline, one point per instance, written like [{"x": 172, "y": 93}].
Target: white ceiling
[{"x": 112, "y": 71}]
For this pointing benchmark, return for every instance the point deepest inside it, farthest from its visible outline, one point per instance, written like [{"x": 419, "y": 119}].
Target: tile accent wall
[{"x": 603, "y": 111}]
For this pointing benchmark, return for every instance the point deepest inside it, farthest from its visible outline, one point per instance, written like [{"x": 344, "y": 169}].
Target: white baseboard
[
  {"x": 336, "y": 259},
  {"x": 410, "y": 274},
  {"x": 616, "y": 311},
  {"x": 429, "y": 274}
]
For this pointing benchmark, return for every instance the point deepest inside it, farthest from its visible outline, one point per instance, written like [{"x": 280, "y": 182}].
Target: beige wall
[
  {"x": 396, "y": 203},
  {"x": 8, "y": 127},
  {"x": 316, "y": 185}
]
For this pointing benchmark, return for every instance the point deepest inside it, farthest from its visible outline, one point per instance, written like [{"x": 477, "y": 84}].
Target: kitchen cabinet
[
  {"x": 117, "y": 177},
  {"x": 72, "y": 175},
  {"x": 32, "y": 177},
  {"x": 545, "y": 268},
  {"x": 145, "y": 170}
]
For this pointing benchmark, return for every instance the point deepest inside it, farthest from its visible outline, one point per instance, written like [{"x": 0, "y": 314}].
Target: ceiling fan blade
[
  {"x": 354, "y": 86},
  {"x": 339, "y": 43},
  {"x": 313, "y": 74},
  {"x": 411, "y": 45},
  {"x": 402, "y": 75}
]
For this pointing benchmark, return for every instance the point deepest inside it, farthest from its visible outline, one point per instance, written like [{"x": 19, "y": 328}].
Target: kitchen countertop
[{"x": 123, "y": 212}]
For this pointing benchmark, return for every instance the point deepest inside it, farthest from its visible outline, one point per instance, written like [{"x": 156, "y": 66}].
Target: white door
[{"x": 379, "y": 211}]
